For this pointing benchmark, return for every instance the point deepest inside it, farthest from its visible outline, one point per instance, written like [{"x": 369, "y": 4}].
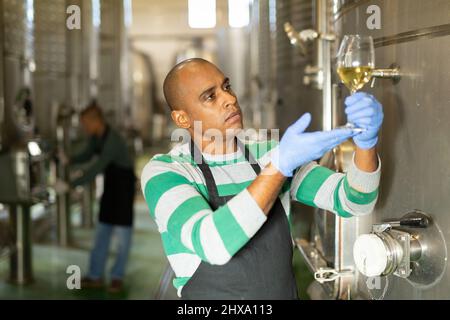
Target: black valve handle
[{"x": 415, "y": 222}]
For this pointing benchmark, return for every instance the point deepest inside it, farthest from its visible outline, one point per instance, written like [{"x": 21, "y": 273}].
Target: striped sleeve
[
  {"x": 352, "y": 194},
  {"x": 179, "y": 209}
]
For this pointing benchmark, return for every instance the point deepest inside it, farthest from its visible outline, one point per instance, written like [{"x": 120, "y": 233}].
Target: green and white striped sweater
[{"x": 176, "y": 194}]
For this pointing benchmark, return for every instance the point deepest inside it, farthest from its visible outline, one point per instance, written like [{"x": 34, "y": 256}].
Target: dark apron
[
  {"x": 116, "y": 204},
  {"x": 262, "y": 269}
]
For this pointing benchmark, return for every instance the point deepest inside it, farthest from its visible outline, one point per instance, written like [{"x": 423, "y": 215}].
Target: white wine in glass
[
  {"x": 354, "y": 78},
  {"x": 355, "y": 64}
]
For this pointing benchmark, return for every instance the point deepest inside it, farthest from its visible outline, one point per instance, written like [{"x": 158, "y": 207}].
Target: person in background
[{"x": 113, "y": 160}]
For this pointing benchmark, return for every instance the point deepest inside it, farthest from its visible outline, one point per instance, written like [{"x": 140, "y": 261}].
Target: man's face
[
  {"x": 89, "y": 125},
  {"x": 207, "y": 96}
]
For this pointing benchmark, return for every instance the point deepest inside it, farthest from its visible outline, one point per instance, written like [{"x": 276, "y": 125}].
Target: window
[
  {"x": 29, "y": 5},
  {"x": 238, "y": 13},
  {"x": 96, "y": 16},
  {"x": 128, "y": 11},
  {"x": 202, "y": 13}
]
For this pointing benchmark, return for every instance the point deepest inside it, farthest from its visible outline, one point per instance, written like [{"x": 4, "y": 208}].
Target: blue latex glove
[
  {"x": 297, "y": 147},
  {"x": 366, "y": 112}
]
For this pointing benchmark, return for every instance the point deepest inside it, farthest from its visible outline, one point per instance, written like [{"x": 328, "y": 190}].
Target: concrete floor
[
  {"x": 144, "y": 270},
  {"x": 50, "y": 263}
]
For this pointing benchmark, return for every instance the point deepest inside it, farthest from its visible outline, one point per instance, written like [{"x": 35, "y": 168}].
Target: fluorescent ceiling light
[
  {"x": 96, "y": 14},
  {"x": 238, "y": 13},
  {"x": 202, "y": 13},
  {"x": 128, "y": 12}
]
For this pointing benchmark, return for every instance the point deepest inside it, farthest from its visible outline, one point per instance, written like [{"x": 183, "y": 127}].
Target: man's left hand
[{"x": 364, "y": 111}]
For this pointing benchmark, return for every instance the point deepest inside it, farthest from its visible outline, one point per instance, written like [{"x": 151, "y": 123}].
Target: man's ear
[{"x": 181, "y": 119}]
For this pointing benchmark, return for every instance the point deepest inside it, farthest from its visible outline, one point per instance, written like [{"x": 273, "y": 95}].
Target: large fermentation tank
[
  {"x": 54, "y": 92},
  {"x": 262, "y": 64},
  {"x": 2, "y": 94},
  {"x": 82, "y": 73},
  {"x": 50, "y": 85},
  {"x": 21, "y": 173},
  {"x": 143, "y": 98},
  {"x": 296, "y": 97},
  {"x": 47, "y": 77},
  {"x": 115, "y": 72},
  {"x": 17, "y": 66},
  {"x": 83, "y": 56},
  {"x": 413, "y": 146}
]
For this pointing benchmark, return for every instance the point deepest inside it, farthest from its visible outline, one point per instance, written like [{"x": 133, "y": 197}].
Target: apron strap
[
  {"x": 209, "y": 178},
  {"x": 249, "y": 157}
]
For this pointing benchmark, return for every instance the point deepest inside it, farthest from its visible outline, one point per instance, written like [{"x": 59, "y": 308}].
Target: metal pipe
[
  {"x": 324, "y": 63},
  {"x": 21, "y": 271},
  {"x": 63, "y": 200},
  {"x": 63, "y": 220},
  {"x": 391, "y": 73}
]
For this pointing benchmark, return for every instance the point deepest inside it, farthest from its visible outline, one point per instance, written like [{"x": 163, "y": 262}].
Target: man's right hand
[{"x": 297, "y": 147}]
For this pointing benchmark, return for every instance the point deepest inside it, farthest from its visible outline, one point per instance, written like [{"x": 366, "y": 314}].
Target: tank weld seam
[{"x": 424, "y": 33}]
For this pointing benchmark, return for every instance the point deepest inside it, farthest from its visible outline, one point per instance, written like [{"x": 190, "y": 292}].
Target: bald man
[{"x": 222, "y": 205}]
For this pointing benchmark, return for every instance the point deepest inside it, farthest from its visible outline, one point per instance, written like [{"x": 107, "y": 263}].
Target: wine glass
[{"x": 355, "y": 64}]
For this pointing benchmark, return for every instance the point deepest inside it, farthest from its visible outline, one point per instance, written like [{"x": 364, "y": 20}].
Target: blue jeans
[{"x": 99, "y": 254}]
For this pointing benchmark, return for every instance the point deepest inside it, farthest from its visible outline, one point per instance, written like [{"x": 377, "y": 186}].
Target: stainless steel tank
[
  {"x": 51, "y": 51},
  {"x": 55, "y": 51},
  {"x": 83, "y": 55},
  {"x": 18, "y": 65},
  {"x": 2, "y": 94},
  {"x": 296, "y": 97},
  {"x": 17, "y": 127},
  {"x": 143, "y": 98},
  {"x": 82, "y": 86},
  {"x": 413, "y": 144},
  {"x": 414, "y": 35},
  {"x": 262, "y": 64},
  {"x": 114, "y": 68},
  {"x": 67, "y": 68}
]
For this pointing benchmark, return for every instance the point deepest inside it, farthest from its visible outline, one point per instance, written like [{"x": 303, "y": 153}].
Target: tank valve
[
  {"x": 299, "y": 39},
  {"x": 390, "y": 248},
  {"x": 412, "y": 248}
]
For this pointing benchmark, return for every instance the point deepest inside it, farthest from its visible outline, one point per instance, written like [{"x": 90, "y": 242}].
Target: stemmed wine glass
[{"x": 355, "y": 64}]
